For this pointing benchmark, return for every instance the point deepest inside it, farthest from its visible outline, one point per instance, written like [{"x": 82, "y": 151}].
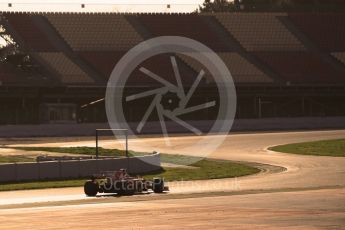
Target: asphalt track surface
[{"x": 291, "y": 192}]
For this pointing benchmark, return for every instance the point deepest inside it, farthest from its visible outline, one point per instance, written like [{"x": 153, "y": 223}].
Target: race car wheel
[
  {"x": 91, "y": 188},
  {"x": 158, "y": 185}
]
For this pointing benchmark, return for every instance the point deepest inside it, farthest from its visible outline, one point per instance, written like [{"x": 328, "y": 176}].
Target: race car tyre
[
  {"x": 91, "y": 188},
  {"x": 158, "y": 185}
]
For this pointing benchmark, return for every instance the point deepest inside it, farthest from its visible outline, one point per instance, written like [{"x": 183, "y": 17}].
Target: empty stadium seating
[
  {"x": 102, "y": 61},
  {"x": 327, "y": 30},
  {"x": 69, "y": 72},
  {"x": 301, "y": 67},
  {"x": 100, "y": 32},
  {"x": 241, "y": 70},
  {"x": 33, "y": 37},
  {"x": 186, "y": 25},
  {"x": 102, "y": 39},
  {"x": 274, "y": 59},
  {"x": 260, "y": 31},
  {"x": 159, "y": 65},
  {"x": 162, "y": 65}
]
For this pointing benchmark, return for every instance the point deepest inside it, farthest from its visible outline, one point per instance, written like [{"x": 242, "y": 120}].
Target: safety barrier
[{"x": 15, "y": 172}]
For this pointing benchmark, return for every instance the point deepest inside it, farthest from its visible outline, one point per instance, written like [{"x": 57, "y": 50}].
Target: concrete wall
[
  {"x": 76, "y": 169},
  {"x": 63, "y": 130}
]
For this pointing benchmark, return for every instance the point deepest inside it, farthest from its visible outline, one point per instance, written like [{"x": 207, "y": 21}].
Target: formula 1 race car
[{"x": 121, "y": 183}]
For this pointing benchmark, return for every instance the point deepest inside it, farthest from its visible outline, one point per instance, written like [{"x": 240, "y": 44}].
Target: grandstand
[{"x": 283, "y": 64}]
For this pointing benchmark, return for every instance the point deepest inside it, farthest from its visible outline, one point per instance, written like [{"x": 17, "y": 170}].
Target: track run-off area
[{"x": 291, "y": 191}]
